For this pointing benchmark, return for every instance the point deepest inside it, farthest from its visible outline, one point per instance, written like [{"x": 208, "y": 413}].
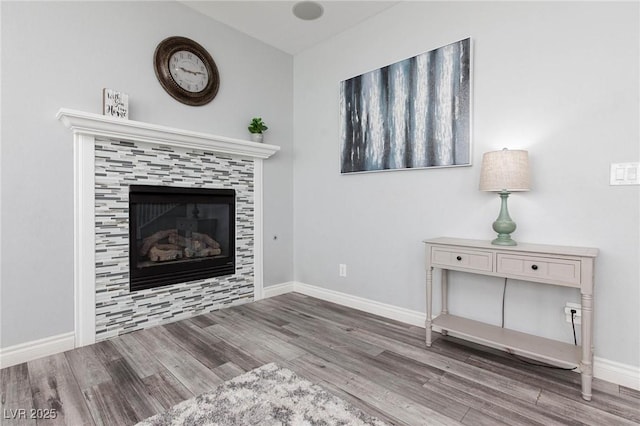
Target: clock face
[{"x": 188, "y": 71}]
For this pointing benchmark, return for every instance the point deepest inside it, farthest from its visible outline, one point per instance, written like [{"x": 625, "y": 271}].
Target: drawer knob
[
  {"x": 534, "y": 267},
  {"x": 459, "y": 258}
]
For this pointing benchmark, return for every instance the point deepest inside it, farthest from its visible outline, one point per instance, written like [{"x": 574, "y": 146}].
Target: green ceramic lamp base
[
  {"x": 504, "y": 240},
  {"x": 503, "y": 225}
]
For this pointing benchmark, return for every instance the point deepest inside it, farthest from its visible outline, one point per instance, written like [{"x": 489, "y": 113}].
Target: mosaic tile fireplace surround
[
  {"x": 110, "y": 155},
  {"x": 119, "y": 164}
]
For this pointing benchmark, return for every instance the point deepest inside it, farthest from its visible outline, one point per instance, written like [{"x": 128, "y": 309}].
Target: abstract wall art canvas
[{"x": 411, "y": 114}]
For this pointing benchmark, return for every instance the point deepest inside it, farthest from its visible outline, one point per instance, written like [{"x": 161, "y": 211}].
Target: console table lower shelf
[{"x": 553, "y": 352}]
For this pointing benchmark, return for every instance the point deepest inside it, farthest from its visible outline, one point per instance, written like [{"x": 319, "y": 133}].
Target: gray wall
[
  {"x": 61, "y": 54},
  {"x": 557, "y": 79}
]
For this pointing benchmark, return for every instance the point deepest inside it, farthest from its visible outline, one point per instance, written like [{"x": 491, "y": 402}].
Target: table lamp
[{"x": 504, "y": 172}]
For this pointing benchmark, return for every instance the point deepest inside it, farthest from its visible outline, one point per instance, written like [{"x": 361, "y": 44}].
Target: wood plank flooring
[{"x": 379, "y": 365}]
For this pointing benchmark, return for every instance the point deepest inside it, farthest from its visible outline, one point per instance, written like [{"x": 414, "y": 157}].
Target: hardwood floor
[{"x": 379, "y": 365}]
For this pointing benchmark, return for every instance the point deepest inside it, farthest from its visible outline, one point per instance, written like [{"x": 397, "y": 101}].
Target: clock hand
[{"x": 191, "y": 72}]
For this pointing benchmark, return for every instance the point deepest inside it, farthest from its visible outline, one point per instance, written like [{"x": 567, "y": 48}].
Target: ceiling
[{"x": 273, "y": 22}]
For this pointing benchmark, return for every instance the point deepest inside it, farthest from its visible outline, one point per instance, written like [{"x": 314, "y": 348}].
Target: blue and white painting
[{"x": 411, "y": 114}]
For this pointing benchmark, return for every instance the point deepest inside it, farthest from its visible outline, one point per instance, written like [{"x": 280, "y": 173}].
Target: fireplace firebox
[{"x": 179, "y": 234}]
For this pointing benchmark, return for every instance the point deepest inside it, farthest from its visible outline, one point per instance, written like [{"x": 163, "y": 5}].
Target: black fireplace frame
[{"x": 173, "y": 273}]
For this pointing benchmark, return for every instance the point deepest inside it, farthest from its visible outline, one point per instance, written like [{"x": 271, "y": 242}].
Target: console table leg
[
  {"x": 427, "y": 324},
  {"x": 586, "y": 365},
  {"x": 445, "y": 293}
]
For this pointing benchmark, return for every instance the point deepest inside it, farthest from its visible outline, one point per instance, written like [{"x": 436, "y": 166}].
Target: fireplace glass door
[{"x": 180, "y": 234}]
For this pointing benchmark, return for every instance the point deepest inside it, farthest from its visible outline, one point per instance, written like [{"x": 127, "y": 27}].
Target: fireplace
[
  {"x": 179, "y": 234},
  {"x": 109, "y": 155}
]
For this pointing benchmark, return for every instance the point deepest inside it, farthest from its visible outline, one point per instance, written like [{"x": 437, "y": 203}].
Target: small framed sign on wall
[
  {"x": 415, "y": 113},
  {"x": 115, "y": 104}
]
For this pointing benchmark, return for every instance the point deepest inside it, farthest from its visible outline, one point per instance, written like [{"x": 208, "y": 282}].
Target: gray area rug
[{"x": 269, "y": 395}]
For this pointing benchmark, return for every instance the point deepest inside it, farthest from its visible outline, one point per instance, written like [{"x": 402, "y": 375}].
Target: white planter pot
[{"x": 256, "y": 137}]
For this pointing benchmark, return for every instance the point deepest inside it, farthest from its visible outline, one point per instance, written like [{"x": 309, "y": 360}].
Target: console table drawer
[
  {"x": 565, "y": 271},
  {"x": 467, "y": 259}
]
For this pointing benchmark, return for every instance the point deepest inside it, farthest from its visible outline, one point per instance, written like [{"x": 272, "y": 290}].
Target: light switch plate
[{"x": 625, "y": 174}]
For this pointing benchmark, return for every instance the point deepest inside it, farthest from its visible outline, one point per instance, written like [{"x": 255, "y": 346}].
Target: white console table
[{"x": 554, "y": 265}]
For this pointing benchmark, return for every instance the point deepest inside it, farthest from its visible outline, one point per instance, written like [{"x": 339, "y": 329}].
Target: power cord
[
  {"x": 535, "y": 364},
  {"x": 504, "y": 291},
  {"x": 573, "y": 324}
]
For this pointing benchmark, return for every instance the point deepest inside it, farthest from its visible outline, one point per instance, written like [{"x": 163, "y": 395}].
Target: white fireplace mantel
[
  {"x": 136, "y": 131},
  {"x": 89, "y": 127}
]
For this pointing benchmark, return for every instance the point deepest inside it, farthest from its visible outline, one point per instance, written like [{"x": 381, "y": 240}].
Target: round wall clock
[{"x": 186, "y": 71}]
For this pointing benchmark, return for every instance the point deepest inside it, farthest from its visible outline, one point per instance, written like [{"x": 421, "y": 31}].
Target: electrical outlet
[
  {"x": 578, "y": 315},
  {"x": 342, "y": 270}
]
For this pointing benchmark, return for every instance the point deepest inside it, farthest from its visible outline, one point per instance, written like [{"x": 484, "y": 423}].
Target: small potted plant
[{"x": 256, "y": 127}]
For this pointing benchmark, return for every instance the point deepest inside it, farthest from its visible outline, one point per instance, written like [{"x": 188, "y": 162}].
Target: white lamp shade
[{"x": 506, "y": 170}]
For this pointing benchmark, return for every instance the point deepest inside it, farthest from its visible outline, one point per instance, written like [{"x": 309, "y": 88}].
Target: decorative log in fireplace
[
  {"x": 175, "y": 246},
  {"x": 179, "y": 234}
]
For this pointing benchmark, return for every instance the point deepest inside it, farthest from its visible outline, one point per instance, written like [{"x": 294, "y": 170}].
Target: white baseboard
[
  {"x": 28, "y": 351},
  {"x": 610, "y": 371},
  {"x": 406, "y": 316},
  {"x": 615, "y": 372},
  {"x": 278, "y": 289}
]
